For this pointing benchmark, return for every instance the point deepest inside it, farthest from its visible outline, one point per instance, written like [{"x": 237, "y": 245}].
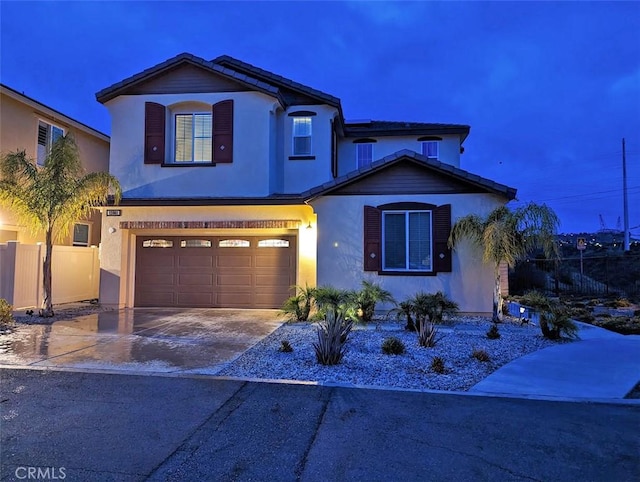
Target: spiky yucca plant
[
  {"x": 332, "y": 333},
  {"x": 506, "y": 235},
  {"x": 52, "y": 197},
  {"x": 554, "y": 318}
]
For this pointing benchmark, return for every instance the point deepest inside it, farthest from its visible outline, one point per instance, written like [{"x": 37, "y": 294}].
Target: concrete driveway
[{"x": 161, "y": 340}]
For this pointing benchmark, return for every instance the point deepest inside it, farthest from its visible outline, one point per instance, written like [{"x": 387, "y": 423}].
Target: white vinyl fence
[{"x": 75, "y": 274}]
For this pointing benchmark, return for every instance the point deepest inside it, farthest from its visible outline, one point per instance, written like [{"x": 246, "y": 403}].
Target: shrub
[
  {"x": 480, "y": 355},
  {"x": 554, "y": 318},
  {"x": 404, "y": 311},
  {"x": 427, "y": 334},
  {"x": 437, "y": 365},
  {"x": 6, "y": 314},
  {"x": 365, "y": 300},
  {"x": 393, "y": 346},
  {"x": 332, "y": 337},
  {"x": 493, "y": 333},
  {"x": 298, "y": 307},
  {"x": 285, "y": 347}
]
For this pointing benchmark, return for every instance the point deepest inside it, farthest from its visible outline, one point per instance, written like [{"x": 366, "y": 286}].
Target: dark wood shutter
[
  {"x": 441, "y": 231},
  {"x": 223, "y": 131},
  {"x": 154, "y": 133},
  {"x": 372, "y": 239}
]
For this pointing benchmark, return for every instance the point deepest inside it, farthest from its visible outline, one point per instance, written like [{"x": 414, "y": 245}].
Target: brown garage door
[{"x": 219, "y": 271}]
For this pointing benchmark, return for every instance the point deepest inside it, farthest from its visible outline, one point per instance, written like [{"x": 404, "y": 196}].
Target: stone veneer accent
[{"x": 259, "y": 224}]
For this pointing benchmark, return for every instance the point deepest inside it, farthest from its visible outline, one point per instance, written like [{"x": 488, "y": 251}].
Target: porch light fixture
[
  {"x": 309, "y": 225},
  {"x": 112, "y": 230}
]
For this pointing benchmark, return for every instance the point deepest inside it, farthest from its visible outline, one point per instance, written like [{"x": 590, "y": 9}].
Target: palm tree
[
  {"x": 506, "y": 235},
  {"x": 53, "y": 197}
]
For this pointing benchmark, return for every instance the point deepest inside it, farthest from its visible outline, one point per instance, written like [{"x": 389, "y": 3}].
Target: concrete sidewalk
[
  {"x": 126, "y": 428},
  {"x": 601, "y": 365}
]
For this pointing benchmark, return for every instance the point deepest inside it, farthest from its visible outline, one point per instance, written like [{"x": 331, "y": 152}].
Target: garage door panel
[
  {"x": 233, "y": 280},
  {"x": 190, "y": 298},
  {"x": 283, "y": 261},
  {"x": 212, "y": 275},
  {"x": 160, "y": 298},
  {"x": 195, "y": 279},
  {"x": 193, "y": 261},
  {"x": 149, "y": 280},
  {"x": 233, "y": 261}
]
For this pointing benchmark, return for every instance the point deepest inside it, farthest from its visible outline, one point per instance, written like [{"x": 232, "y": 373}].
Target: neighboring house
[
  {"x": 239, "y": 183},
  {"x": 26, "y": 124}
]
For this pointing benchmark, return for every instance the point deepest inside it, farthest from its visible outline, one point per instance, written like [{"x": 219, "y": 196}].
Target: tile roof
[
  {"x": 406, "y": 154},
  {"x": 281, "y": 81},
  {"x": 395, "y": 128}
]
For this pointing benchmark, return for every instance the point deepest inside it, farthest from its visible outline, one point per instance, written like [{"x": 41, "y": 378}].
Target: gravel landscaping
[{"x": 364, "y": 364}]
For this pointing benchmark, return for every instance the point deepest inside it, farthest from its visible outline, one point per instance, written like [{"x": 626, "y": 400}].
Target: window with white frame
[
  {"x": 406, "y": 241},
  {"x": 193, "y": 137},
  {"x": 47, "y": 135},
  {"x": 430, "y": 149},
  {"x": 302, "y": 136},
  {"x": 364, "y": 154},
  {"x": 80, "y": 234}
]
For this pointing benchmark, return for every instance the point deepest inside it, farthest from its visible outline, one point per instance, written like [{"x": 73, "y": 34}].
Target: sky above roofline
[{"x": 548, "y": 88}]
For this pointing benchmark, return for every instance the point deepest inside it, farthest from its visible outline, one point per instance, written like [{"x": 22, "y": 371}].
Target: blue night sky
[{"x": 549, "y": 89}]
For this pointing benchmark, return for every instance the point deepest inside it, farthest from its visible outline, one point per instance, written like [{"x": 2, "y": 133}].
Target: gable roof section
[
  {"x": 471, "y": 182},
  {"x": 246, "y": 75},
  {"x": 372, "y": 128},
  {"x": 125, "y": 86}
]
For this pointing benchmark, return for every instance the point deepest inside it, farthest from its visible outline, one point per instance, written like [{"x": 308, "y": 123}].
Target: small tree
[
  {"x": 53, "y": 197},
  {"x": 365, "y": 300},
  {"x": 298, "y": 307},
  {"x": 429, "y": 310},
  {"x": 505, "y": 236}
]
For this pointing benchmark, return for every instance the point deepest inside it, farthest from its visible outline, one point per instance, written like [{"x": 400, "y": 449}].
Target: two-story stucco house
[
  {"x": 29, "y": 125},
  {"x": 239, "y": 183}
]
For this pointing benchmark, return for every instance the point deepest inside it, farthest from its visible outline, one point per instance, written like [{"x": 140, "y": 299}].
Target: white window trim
[
  {"x": 422, "y": 149},
  {"x": 49, "y": 134},
  {"x": 294, "y": 137},
  {"x": 358, "y": 152},
  {"x": 406, "y": 227},
  {"x": 173, "y": 134}
]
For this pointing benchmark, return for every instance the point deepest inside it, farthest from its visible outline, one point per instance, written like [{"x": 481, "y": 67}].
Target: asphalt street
[{"x": 117, "y": 427}]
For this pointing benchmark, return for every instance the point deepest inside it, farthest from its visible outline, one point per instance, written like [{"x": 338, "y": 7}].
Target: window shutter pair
[
  {"x": 373, "y": 239},
  {"x": 155, "y": 132}
]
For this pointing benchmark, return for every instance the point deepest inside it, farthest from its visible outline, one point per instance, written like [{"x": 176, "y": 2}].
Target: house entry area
[{"x": 214, "y": 271}]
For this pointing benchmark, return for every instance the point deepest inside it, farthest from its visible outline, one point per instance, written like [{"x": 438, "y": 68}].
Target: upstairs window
[
  {"x": 430, "y": 149},
  {"x": 302, "y": 136},
  {"x": 364, "y": 155},
  {"x": 193, "y": 137},
  {"x": 47, "y": 135}
]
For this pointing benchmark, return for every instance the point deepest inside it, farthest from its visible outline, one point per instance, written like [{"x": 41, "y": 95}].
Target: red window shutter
[
  {"x": 154, "y": 133},
  {"x": 223, "y": 131},
  {"x": 372, "y": 239},
  {"x": 441, "y": 231}
]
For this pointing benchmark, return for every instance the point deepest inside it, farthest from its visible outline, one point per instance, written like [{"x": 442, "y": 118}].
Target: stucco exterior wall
[
  {"x": 303, "y": 174},
  {"x": 19, "y": 118},
  {"x": 340, "y": 250},
  {"x": 247, "y": 175},
  {"x": 449, "y": 150},
  {"x": 117, "y": 253}
]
